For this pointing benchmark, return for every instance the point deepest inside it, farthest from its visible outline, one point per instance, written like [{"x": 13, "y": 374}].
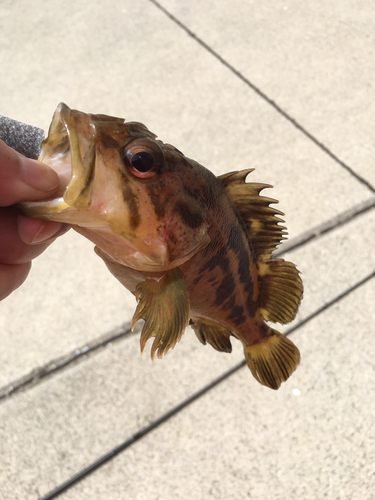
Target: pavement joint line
[
  {"x": 331, "y": 303},
  {"x": 36, "y": 376},
  {"x": 186, "y": 402},
  {"x": 138, "y": 435},
  {"x": 57, "y": 364},
  {"x": 322, "y": 229},
  {"x": 265, "y": 97}
]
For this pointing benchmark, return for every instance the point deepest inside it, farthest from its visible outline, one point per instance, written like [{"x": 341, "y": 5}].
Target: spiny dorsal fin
[
  {"x": 261, "y": 220},
  {"x": 164, "y": 305},
  {"x": 213, "y": 333},
  {"x": 281, "y": 290}
]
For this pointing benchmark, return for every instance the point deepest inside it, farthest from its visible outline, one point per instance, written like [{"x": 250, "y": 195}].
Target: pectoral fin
[{"x": 164, "y": 305}]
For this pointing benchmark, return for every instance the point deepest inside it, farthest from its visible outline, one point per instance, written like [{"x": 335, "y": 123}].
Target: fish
[{"x": 194, "y": 249}]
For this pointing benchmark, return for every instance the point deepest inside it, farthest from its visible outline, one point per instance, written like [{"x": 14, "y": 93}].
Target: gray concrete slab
[
  {"x": 66, "y": 422},
  {"x": 314, "y": 59},
  {"x": 315, "y": 437}
]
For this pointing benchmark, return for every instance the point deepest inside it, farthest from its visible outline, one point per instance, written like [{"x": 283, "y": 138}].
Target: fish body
[{"x": 192, "y": 247}]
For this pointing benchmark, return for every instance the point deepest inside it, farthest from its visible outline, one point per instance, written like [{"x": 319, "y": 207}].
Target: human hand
[{"x": 21, "y": 238}]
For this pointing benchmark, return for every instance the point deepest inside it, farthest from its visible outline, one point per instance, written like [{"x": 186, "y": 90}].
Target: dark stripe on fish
[
  {"x": 132, "y": 201},
  {"x": 219, "y": 259},
  {"x": 225, "y": 289},
  {"x": 235, "y": 242},
  {"x": 189, "y": 217},
  {"x": 158, "y": 200},
  {"x": 237, "y": 313},
  {"x": 225, "y": 292}
]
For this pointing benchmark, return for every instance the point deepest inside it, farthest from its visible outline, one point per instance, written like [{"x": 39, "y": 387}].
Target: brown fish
[{"x": 192, "y": 247}]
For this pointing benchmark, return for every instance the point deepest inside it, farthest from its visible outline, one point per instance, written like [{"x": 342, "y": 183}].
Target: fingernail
[
  {"x": 38, "y": 175},
  {"x": 48, "y": 231}
]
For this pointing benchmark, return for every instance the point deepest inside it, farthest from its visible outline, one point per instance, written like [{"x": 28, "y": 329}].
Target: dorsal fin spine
[{"x": 262, "y": 221}]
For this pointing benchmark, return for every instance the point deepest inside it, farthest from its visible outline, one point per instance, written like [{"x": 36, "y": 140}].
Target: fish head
[{"x": 122, "y": 189}]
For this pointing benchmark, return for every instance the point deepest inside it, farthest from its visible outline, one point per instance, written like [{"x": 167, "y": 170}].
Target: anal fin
[
  {"x": 281, "y": 290},
  {"x": 273, "y": 360},
  {"x": 212, "y": 333},
  {"x": 164, "y": 305}
]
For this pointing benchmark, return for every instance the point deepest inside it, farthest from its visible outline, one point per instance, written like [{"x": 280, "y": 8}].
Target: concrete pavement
[{"x": 285, "y": 87}]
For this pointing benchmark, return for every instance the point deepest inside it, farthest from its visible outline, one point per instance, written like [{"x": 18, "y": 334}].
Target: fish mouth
[{"x": 72, "y": 155}]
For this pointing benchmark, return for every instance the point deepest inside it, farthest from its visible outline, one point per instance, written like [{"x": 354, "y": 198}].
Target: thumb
[{"x": 23, "y": 179}]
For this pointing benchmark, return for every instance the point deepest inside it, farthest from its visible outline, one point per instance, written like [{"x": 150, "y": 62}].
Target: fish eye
[
  {"x": 142, "y": 161},
  {"x": 144, "y": 158}
]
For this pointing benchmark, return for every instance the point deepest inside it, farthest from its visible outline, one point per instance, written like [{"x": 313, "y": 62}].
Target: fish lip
[
  {"x": 78, "y": 193},
  {"x": 73, "y": 159},
  {"x": 63, "y": 140}
]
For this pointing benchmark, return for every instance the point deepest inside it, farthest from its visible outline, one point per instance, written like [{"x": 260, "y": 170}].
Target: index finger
[{"x": 23, "y": 179}]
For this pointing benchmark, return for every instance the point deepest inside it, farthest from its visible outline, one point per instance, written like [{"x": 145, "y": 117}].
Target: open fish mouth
[{"x": 73, "y": 158}]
